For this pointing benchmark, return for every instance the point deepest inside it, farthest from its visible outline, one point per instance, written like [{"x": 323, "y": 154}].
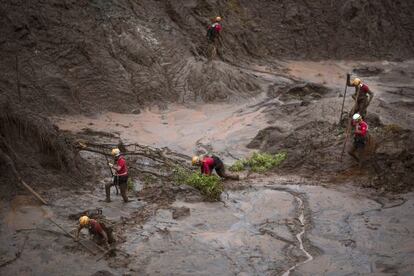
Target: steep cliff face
[
  {"x": 81, "y": 56},
  {"x": 87, "y": 56},
  {"x": 334, "y": 29}
]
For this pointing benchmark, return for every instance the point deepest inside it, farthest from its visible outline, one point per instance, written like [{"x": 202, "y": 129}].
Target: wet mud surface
[
  {"x": 269, "y": 227},
  {"x": 136, "y": 71},
  {"x": 293, "y": 222}
]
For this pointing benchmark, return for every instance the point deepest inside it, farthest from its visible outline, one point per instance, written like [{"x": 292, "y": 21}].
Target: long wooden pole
[
  {"x": 348, "y": 129},
  {"x": 343, "y": 103},
  {"x": 72, "y": 236},
  {"x": 19, "y": 178},
  {"x": 32, "y": 191}
]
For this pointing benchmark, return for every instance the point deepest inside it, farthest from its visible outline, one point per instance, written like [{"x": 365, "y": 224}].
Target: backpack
[{"x": 212, "y": 32}]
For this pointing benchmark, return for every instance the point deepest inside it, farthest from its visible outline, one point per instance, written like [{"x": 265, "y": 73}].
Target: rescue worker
[
  {"x": 364, "y": 94},
  {"x": 101, "y": 235},
  {"x": 213, "y": 37},
  {"x": 209, "y": 163},
  {"x": 120, "y": 175},
  {"x": 360, "y": 136}
]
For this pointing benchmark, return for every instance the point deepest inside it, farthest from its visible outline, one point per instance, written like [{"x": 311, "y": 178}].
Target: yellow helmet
[
  {"x": 84, "y": 220},
  {"x": 356, "y": 81},
  {"x": 195, "y": 160},
  {"x": 218, "y": 19},
  {"x": 115, "y": 152}
]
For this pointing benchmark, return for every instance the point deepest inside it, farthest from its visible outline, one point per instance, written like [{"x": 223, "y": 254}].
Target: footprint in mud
[
  {"x": 348, "y": 243},
  {"x": 370, "y": 225}
]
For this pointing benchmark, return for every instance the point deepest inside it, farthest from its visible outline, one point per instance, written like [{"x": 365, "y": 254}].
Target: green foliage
[
  {"x": 238, "y": 166},
  {"x": 259, "y": 162},
  {"x": 210, "y": 186},
  {"x": 130, "y": 184}
]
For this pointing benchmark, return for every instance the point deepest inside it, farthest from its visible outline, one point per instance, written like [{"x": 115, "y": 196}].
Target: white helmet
[{"x": 356, "y": 117}]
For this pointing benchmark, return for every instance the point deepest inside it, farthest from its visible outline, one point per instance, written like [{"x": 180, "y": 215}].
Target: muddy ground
[
  {"x": 313, "y": 215},
  {"x": 98, "y": 73}
]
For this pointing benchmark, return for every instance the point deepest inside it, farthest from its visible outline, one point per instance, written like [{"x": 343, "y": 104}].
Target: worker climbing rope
[
  {"x": 213, "y": 37},
  {"x": 209, "y": 163},
  {"x": 360, "y": 137},
  {"x": 101, "y": 234},
  {"x": 363, "y": 96},
  {"x": 120, "y": 175}
]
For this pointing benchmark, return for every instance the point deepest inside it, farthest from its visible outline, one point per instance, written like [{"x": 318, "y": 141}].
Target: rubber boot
[
  {"x": 108, "y": 192},
  {"x": 123, "y": 187},
  {"x": 351, "y": 153}
]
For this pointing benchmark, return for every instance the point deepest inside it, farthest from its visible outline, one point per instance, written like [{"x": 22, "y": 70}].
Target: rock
[
  {"x": 180, "y": 212},
  {"x": 136, "y": 111}
]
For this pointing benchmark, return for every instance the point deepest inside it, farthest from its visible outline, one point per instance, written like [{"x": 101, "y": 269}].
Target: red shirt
[
  {"x": 364, "y": 89},
  {"x": 216, "y": 26},
  {"x": 362, "y": 127},
  {"x": 95, "y": 228},
  {"x": 207, "y": 165},
  {"x": 122, "y": 165}
]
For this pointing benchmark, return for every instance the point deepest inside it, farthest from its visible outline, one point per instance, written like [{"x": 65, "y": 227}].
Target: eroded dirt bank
[{"x": 295, "y": 221}]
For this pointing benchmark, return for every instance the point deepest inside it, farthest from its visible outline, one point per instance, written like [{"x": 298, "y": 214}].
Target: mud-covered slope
[
  {"x": 81, "y": 56},
  {"x": 32, "y": 149},
  {"x": 110, "y": 55},
  {"x": 350, "y": 29}
]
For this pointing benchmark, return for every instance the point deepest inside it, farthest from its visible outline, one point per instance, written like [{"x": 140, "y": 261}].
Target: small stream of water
[{"x": 299, "y": 236}]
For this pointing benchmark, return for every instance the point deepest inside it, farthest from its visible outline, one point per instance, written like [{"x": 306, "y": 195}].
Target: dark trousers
[
  {"x": 221, "y": 170},
  {"x": 361, "y": 107},
  {"x": 122, "y": 182},
  {"x": 358, "y": 146},
  {"x": 99, "y": 239}
]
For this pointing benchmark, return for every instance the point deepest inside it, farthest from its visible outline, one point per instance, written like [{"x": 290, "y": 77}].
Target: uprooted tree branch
[{"x": 159, "y": 162}]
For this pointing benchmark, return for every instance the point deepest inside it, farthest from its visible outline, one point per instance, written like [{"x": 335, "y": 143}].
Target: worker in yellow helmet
[
  {"x": 120, "y": 175},
  {"x": 209, "y": 163},
  {"x": 365, "y": 96},
  {"x": 96, "y": 229},
  {"x": 213, "y": 36}
]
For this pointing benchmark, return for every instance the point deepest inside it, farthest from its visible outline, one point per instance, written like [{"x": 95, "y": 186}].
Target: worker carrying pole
[
  {"x": 363, "y": 96},
  {"x": 209, "y": 163},
  {"x": 120, "y": 175},
  {"x": 360, "y": 138}
]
